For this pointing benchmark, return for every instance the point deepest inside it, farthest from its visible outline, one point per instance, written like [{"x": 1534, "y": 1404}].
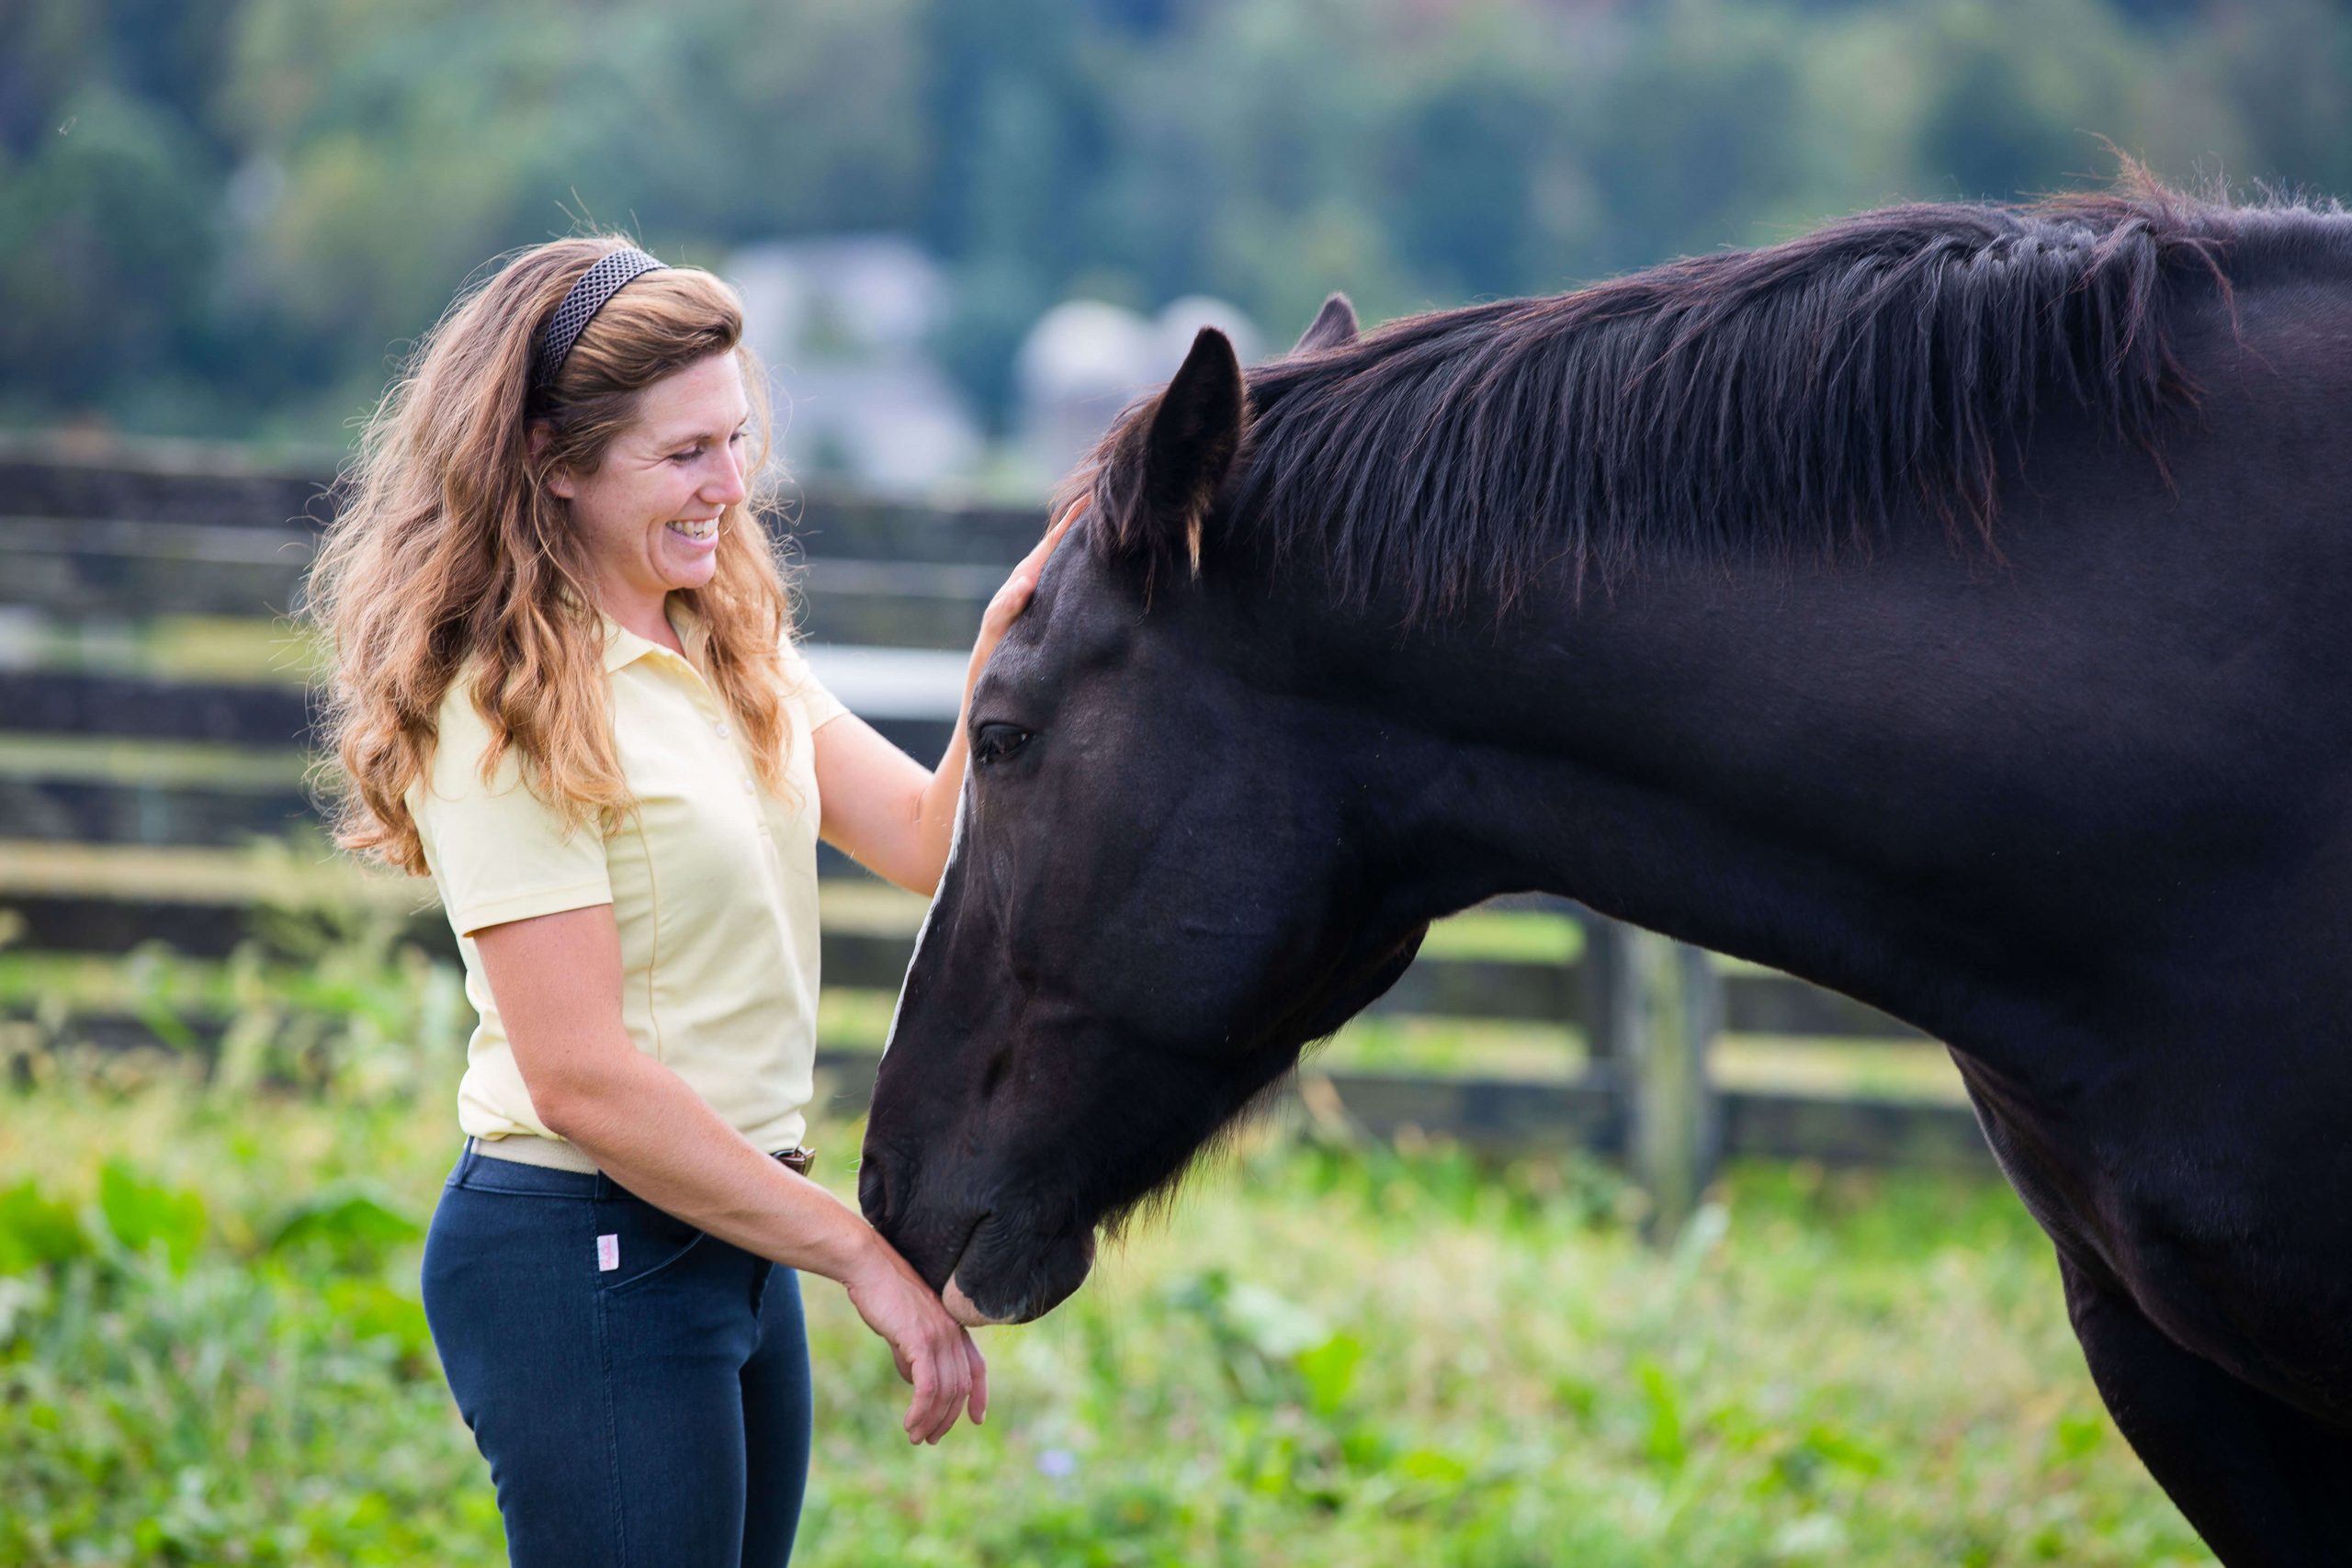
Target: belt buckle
[{"x": 796, "y": 1160}]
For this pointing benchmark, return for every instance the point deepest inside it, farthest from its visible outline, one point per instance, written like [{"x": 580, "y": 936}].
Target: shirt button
[
  {"x": 722, "y": 732},
  {"x": 748, "y": 785}
]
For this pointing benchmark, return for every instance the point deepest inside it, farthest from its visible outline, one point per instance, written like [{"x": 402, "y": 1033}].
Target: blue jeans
[{"x": 640, "y": 1388}]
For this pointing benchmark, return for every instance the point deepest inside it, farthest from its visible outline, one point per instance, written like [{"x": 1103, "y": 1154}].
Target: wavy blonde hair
[{"x": 449, "y": 557}]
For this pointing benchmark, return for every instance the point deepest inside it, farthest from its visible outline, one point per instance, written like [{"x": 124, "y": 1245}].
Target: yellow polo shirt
[{"x": 712, "y": 881}]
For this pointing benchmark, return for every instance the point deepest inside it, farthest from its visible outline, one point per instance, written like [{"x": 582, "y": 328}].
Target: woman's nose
[{"x": 730, "y": 484}]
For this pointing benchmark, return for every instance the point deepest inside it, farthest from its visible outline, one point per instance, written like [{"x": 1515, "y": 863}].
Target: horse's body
[{"x": 2073, "y": 794}]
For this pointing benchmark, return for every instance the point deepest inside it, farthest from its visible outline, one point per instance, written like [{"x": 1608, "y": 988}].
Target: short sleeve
[
  {"x": 496, "y": 850},
  {"x": 819, "y": 705}
]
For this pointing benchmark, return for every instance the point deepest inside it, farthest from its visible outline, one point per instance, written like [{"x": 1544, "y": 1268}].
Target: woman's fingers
[
  {"x": 1018, "y": 588},
  {"x": 929, "y": 1349},
  {"x": 922, "y": 1411},
  {"x": 1045, "y": 546},
  {"x": 947, "y": 1366},
  {"x": 943, "y": 1391},
  {"x": 1006, "y": 604},
  {"x": 918, "y": 1419},
  {"x": 1008, "y": 600},
  {"x": 978, "y": 1401},
  {"x": 953, "y": 1358}
]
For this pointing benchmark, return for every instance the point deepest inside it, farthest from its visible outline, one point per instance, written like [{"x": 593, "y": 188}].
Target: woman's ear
[{"x": 560, "y": 482}]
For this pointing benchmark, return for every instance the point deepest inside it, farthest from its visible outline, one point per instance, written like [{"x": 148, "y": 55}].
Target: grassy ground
[{"x": 211, "y": 1352}]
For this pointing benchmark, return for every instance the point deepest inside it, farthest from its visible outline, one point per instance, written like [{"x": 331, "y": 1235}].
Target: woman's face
[{"x": 650, "y": 513}]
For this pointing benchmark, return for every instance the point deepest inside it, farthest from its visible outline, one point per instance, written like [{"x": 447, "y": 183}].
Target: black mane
[{"x": 1788, "y": 400}]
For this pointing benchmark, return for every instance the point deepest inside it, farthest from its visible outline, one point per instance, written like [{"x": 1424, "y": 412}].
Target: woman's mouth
[{"x": 699, "y": 531}]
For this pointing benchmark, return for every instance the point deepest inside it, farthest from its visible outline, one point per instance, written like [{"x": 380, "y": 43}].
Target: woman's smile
[{"x": 651, "y": 513}]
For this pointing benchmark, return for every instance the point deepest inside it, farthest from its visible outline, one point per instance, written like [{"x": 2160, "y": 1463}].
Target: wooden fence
[{"x": 151, "y": 722}]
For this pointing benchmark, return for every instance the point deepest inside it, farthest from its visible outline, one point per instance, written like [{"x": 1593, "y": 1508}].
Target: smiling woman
[
  {"x": 564, "y": 688},
  {"x": 650, "y": 515}
]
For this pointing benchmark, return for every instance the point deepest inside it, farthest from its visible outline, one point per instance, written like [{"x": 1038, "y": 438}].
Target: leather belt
[{"x": 796, "y": 1160}]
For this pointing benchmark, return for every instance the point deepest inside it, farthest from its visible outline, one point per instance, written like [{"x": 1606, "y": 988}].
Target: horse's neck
[
  {"x": 1753, "y": 766},
  {"x": 1924, "y": 780},
  {"x": 2002, "y": 797}
]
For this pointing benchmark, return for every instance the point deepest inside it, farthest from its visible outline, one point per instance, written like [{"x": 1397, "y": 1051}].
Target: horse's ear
[
  {"x": 1189, "y": 439},
  {"x": 1334, "y": 327}
]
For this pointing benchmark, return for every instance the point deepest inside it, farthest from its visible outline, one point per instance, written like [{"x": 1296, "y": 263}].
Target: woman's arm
[
  {"x": 881, "y": 806},
  {"x": 557, "y": 979}
]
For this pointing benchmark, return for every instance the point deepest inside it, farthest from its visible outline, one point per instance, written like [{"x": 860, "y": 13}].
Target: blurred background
[
  {"x": 1580, "y": 1248},
  {"x": 221, "y": 218}
]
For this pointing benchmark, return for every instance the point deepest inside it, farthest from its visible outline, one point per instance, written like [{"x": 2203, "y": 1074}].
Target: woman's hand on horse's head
[{"x": 1013, "y": 597}]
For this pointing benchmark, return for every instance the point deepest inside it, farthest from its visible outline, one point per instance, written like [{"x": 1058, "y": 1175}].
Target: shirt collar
[{"x": 623, "y": 646}]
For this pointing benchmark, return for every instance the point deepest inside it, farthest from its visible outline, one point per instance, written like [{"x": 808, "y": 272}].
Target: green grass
[{"x": 211, "y": 1352}]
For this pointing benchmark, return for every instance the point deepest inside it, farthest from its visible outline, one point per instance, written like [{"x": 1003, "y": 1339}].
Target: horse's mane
[{"x": 1790, "y": 399}]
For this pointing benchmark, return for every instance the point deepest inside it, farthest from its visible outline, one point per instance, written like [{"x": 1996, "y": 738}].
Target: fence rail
[{"x": 109, "y": 750}]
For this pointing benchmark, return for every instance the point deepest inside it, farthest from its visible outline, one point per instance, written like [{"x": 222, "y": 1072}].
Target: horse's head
[{"x": 1166, "y": 877}]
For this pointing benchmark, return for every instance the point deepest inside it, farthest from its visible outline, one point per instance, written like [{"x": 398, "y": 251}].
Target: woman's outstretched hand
[
  {"x": 933, "y": 1351},
  {"x": 1013, "y": 597}
]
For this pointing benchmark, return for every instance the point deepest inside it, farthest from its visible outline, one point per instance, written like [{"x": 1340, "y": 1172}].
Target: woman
[{"x": 564, "y": 688}]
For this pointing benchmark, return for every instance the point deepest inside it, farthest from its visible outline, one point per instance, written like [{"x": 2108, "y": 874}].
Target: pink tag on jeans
[{"x": 608, "y": 1253}]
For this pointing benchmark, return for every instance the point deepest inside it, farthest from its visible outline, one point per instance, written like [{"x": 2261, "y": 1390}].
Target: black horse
[{"x": 1952, "y": 606}]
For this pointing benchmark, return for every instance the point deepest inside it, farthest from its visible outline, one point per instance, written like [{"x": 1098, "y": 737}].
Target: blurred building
[
  {"x": 844, "y": 326},
  {"x": 1086, "y": 360}
]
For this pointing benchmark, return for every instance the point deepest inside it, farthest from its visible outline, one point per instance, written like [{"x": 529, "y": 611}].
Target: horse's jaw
[
  {"x": 1024, "y": 1289},
  {"x": 963, "y": 1310}
]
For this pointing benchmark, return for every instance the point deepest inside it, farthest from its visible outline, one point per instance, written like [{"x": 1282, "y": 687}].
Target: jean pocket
[{"x": 635, "y": 1241}]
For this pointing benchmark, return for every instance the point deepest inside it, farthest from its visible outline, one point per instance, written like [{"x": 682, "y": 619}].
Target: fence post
[
  {"x": 1658, "y": 1003},
  {"x": 1603, "y": 966}
]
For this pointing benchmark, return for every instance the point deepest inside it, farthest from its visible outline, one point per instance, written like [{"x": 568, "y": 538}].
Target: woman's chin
[
  {"x": 682, "y": 576},
  {"x": 680, "y": 564}
]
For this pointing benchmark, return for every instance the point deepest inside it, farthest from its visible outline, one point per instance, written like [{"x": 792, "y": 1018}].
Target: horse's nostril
[
  {"x": 993, "y": 1078},
  {"x": 874, "y": 1189}
]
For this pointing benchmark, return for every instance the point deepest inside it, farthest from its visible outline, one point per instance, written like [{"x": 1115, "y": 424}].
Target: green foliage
[
  {"x": 330, "y": 994},
  {"x": 211, "y": 1350},
  {"x": 36, "y": 1230},
  {"x": 350, "y": 1224},
  {"x": 146, "y": 1216},
  {"x": 228, "y": 218},
  {"x": 212, "y": 1347}
]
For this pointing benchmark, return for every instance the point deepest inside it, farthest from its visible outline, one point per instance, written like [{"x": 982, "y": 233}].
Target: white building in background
[
  {"x": 1085, "y": 360},
  {"x": 844, "y": 326},
  {"x": 846, "y": 323}
]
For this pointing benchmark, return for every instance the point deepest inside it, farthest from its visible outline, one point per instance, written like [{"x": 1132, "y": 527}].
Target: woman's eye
[
  {"x": 995, "y": 742},
  {"x": 690, "y": 457}
]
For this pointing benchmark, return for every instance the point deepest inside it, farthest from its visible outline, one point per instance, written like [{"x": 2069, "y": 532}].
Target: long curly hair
[{"x": 449, "y": 558}]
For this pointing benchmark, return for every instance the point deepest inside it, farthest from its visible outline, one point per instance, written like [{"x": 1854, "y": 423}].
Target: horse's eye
[{"x": 995, "y": 742}]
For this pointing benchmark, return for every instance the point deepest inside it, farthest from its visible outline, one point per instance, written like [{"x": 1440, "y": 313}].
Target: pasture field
[{"x": 212, "y": 1352}]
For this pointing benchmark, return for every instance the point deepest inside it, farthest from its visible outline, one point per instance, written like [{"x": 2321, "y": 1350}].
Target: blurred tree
[
  {"x": 1690, "y": 133},
  {"x": 1469, "y": 145},
  {"x": 228, "y": 216},
  {"x": 2286, "y": 68},
  {"x": 107, "y": 235},
  {"x": 452, "y": 138}
]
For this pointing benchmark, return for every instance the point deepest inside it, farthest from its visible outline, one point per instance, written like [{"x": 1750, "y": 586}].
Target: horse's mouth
[{"x": 988, "y": 1286}]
